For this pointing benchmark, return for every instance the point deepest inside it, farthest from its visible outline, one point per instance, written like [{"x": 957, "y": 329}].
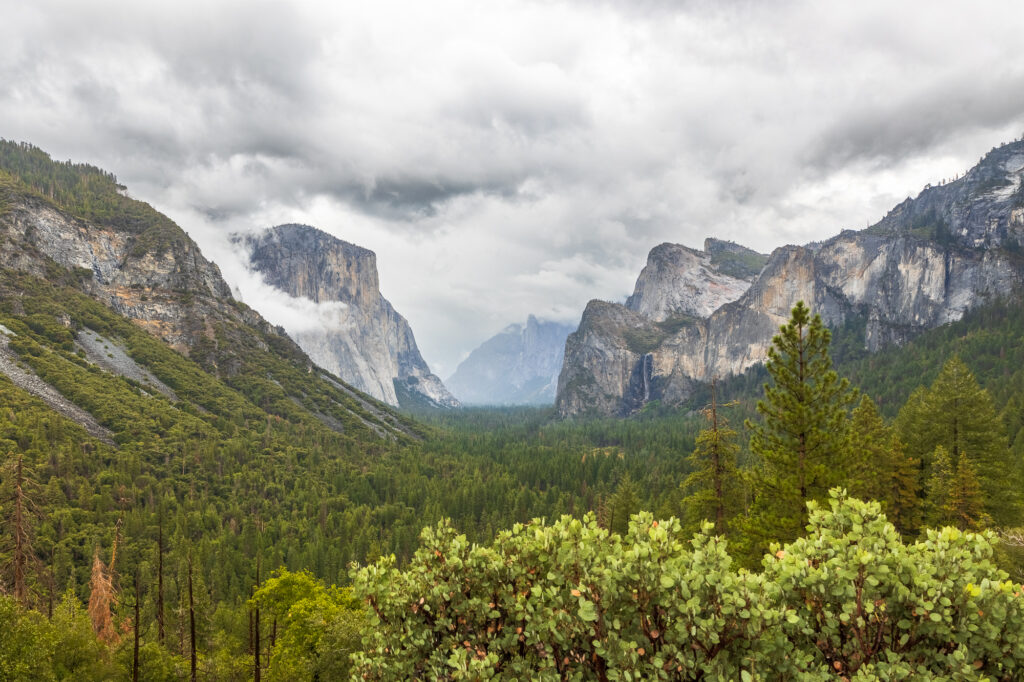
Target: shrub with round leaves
[{"x": 572, "y": 601}]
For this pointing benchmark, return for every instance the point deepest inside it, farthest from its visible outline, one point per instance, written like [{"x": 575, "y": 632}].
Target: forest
[
  {"x": 809, "y": 519},
  {"x": 246, "y": 541}
]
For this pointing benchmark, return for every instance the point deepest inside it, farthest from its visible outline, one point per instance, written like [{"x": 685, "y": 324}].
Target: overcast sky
[{"x": 507, "y": 157}]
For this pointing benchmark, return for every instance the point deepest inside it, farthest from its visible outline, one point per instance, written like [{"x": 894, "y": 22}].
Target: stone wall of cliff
[
  {"x": 927, "y": 262},
  {"x": 366, "y": 342}
]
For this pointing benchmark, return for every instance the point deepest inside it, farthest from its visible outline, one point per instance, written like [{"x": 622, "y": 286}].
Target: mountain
[
  {"x": 680, "y": 281},
  {"x": 69, "y": 233},
  {"x": 927, "y": 262},
  {"x": 365, "y": 341},
  {"x": 518, "y": 366}
]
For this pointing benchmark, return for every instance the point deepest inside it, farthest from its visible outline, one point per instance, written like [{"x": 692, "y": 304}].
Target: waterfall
[{"x": 646, "y": 369}]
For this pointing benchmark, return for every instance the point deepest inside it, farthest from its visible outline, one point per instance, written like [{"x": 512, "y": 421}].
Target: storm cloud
[{"x": 518, "y": 156}]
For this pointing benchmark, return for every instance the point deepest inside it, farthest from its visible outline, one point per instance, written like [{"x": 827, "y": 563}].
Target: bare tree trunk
[
  {"x": 21, "y": 543},
  {"x": 256, "y": 631},
  {"x": 160, "y": 579},
  {"x": 135, "y": 645},
  {"x": 191, "y": 625}
]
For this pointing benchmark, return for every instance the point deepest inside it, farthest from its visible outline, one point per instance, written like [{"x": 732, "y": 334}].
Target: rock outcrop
[
  {"x": 157, "y": 277},
  {"x": 518, "y": 366},
  {"x": 927, "y": 262},
  {"x": 364, "y": 341},
  {"x": 680, "y": 281}
]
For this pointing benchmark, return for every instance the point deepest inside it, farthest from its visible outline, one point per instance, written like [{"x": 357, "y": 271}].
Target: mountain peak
[
  {"x": 368, "y": 344},
  {"x": 680, "y": 281},
  {"x": 518, "y": 366}
]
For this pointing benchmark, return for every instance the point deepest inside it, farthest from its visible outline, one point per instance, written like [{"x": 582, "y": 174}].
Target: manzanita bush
[{"x": 571, "y": 601}]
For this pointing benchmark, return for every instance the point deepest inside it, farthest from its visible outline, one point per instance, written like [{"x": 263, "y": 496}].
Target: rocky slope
[
  {"x": 72, "y": 225},
  {"x": 928, "y": 261},
  {"x": 518, "y": 366},
  {"x": 365, "y": 342}
]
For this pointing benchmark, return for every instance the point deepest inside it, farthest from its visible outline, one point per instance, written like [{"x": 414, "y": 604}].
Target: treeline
[
  {"x": 229, "y": 478},
  {"x": 850, "y": 600}
]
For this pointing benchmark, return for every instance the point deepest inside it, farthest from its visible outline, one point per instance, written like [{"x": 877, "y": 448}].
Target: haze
[{"x": 512, "y": 157}]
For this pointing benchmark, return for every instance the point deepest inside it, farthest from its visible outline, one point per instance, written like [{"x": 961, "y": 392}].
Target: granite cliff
[
  {"x": 923, "y": 265},
  {"x": 365, "y": 341},
  {"x": 73, "y": 226},
  {"x": 518, "y": 366}
]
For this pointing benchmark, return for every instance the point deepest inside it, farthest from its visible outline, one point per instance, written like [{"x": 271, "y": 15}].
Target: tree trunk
[
  {"x": 191, "y": 625},
  {"x": 160, "y": 579},
  {"x": 20, "y": 537},
  {"x": 135, "y": 645}
]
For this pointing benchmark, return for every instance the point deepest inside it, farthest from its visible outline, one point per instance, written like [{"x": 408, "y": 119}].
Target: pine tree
[
  {"x": 880, "y": 468},
  {"x": 623, "y": 504},
  {"x": 803, "y": 437},
  {"x": 714, "y": 490},
  {"x": 19, "y": 518},
  {"x": 101, "y": 600},
  {"x": 966, "y": 503},
  {"x": 939, "y": 489},
  {"x": 960, "y": 416}
]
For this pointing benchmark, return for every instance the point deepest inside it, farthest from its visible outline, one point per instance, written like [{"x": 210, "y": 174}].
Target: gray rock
[
  {"x": 366, "y": 342},
  {"x": 518, "y": 366},
  {"x": 923, "y": 265}
]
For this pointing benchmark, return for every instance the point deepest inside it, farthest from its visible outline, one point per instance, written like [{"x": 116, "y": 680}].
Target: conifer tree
[
  {"x": 957, "y": 414},
  {"x": 714, "y": 490},
  {"x": 880, "y": 468},
  {"x": 101, "y": 601},
  {"x": 19, "y": 517},
  {"x": 939, "y": 488},
  {"x": 803, "y": 436},
  {"x": 623, "y": 504},
  {"x": 966, "y": 503}
]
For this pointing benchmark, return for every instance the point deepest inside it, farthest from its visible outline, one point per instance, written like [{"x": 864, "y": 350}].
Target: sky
[{"x": 511, "y": 157}]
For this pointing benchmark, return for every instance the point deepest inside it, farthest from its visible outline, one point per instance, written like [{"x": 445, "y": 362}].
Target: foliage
[
  {"x": 33, "y": 647},
  {"x": 319, "y": 626},
  {"x": 881, "y": 470},
  {"x": 714, "y": 488},
  {"x": 565, "y": 601},
  {"x": 572, "y": 601},
  {"x": 868, "y": 606},
  {"x": 958, "y": 415},
  {"x": 803, "y": 439}
]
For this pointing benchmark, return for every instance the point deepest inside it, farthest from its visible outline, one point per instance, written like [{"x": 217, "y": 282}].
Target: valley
[{"x": 204, "y": 470}]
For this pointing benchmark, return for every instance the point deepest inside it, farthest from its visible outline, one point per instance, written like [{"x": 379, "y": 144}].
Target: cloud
[{"x": 516, "y": 156}]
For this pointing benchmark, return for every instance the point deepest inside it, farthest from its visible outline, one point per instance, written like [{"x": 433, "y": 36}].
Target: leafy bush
[{"x": 571, "y": 600}]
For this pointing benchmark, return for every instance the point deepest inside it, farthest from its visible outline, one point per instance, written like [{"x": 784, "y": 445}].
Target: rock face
[
  {"x": 161, "y": 282},
  {"x": 679, "y": 281},
  {"x": 519, "y": 366},
  {"x": 923, "y": 265},
  {"x": 364, "y": 341}
]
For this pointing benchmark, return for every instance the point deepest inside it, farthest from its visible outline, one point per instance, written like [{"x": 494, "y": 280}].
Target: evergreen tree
[
  {"x": 959, "y": 415},
  {"x": 803, "y": 438},
  {"x": 966, "y": 503},
  {"x": 714, "y": 490},
  {"x": 955, "y": 496},
  {"x": 881, "y": 470},
  {"x": 623, "y": 504},
  {"x": 940, "y": 485}
]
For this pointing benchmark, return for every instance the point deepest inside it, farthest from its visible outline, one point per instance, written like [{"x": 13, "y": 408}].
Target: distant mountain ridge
[
  {"x": 923, "y": 265},
  {"x": 366, "y": 342},
  {"x": 518, "y": 366}
]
